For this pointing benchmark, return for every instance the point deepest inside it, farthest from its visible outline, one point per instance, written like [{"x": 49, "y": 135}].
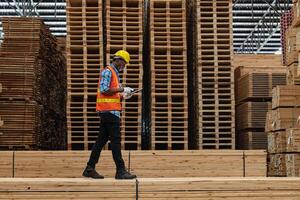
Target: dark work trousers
[{"x": 109, "y": 130}]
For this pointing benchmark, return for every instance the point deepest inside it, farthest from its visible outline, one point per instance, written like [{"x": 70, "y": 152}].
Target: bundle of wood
[{"x": 33, "y": 77}]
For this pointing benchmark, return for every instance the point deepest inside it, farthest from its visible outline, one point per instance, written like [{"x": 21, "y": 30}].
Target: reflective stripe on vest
[{"x": 108, "y": 100}]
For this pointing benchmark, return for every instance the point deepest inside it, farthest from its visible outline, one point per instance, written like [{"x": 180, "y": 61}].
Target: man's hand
[
  {"x": 128, "y": 90},
  {"x": 126, "y": 95}
]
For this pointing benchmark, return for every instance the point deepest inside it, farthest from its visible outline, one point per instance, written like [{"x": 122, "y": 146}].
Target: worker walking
[{"x": 109, "y": 95}]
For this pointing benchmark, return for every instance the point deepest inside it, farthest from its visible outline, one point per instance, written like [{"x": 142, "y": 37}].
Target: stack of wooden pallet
[
  {"x": 127, "y": 34},
  {"x": 85, "y": 56},
  {"x": 169, "y": 74},
  {"x": 254, "y": 83},
  {"x": 214, "y": 84},
  {"x": 283, "y": 129},
  {"x": 33, "y": 86}
]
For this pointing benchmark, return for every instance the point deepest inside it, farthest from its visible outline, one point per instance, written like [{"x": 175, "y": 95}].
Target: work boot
[
  {"x": 123, "y": 174},
  {"x": 91, "y": 173}
]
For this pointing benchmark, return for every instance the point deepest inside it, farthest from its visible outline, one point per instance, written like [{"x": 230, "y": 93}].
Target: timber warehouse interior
[{"x": 216, "y": 114}]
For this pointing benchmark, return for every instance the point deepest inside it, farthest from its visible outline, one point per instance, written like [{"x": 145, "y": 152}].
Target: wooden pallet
[
  {"x": 130, "y": 38},
  {"x": 169, "y": 101},
  {"x": 85, "y": 56},
  {"x": 214, "y": 98}
]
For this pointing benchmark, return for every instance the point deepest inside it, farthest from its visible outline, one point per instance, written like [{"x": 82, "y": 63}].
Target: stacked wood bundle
[
  {"x": 146, "y": 164},
  {"x": 291, "y": 46},
  {"x": 283, "y": 129},
  {"x": 33, "y": 83},
  {"x": 285, "y": 22},
  {"x": 255, "y": 76}
]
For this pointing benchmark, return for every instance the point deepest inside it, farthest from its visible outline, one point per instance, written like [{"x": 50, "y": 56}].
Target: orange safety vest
[{"x": 109, "y": 102}]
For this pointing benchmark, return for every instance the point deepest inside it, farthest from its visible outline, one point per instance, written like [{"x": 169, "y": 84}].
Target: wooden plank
[
  {"x": 292, "y": 164},
  {"x": 173, "y": 164},
  {"x": 255, "y": 163},
  {"x": 251, "y": 115},
  {"x": 244, "y": 63},
  {"x": 230, "y": 163},
  {"x": 220, "y": 188},
  {"x": 293, "y": 140},
  {"x": 66, "y": 188},
  {"x": 286, "y": 96},
  {"x": 251, "y": 140},
  {"x": 277, "y": 165},
  {"x": 6, "y": 164},
  {"x": 61, "y": 163}
]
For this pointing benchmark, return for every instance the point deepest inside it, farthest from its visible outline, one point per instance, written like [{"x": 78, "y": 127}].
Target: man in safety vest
[{"x": 109, "y": 95}]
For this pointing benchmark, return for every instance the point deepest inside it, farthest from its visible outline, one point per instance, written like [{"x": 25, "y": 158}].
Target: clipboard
[{"x": 136, "y": 91}]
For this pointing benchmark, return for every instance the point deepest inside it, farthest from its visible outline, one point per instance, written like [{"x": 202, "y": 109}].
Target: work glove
[
  {"x": 128, "y": 90},
  {"x": 127, "y": 95}
]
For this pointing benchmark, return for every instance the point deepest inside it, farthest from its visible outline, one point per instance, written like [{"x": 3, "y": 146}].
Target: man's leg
[
  {"x": 115, "y": 138},
  {"x": 96, "y": 150},
  {"x": 100, "y": 142}
]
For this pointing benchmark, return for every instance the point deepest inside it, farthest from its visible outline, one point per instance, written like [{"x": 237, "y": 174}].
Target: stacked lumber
[
  {"x": 283, "y": 128},
  {"x": 220, "y": 188},
  {"x": 285, "y": 22},
  {"x": 214, "y": 81},
  {"x": 33, "y": 87},
  {"x": 66, "y": 188},
  {"x": 252, "y": 115},
  {"x": 169, "y": 86},
  {"x": 6, "y": 164},
  {"x": 253, "y": 92},
  {"x": 291, "y": 46},
  {"x": 127, "y": 34},
  {"x": 261, "y": 188},
  {"x": 85, "y": 56},
  {"x": 257, "y": 86},
  {"x": 255, "y": 62},
  {"x": 146, "y": 164},
  {"x": 61, "y": 44}
]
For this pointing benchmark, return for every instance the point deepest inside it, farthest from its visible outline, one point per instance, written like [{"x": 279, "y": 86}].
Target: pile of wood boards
[
  {"x": 255, "y": 76},
  {"x": 283, "y": 129},
  {"x": 33, "y": 87}
]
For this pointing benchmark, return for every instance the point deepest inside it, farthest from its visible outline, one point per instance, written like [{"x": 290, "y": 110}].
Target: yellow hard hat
[{"x": 124, "y": 55}]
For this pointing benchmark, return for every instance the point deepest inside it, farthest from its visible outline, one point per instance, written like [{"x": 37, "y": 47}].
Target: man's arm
[{"x": 105, "y": 83}]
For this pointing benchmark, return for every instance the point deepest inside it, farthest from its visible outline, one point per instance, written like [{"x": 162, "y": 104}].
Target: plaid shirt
[{"x": 105, "y": 85}]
